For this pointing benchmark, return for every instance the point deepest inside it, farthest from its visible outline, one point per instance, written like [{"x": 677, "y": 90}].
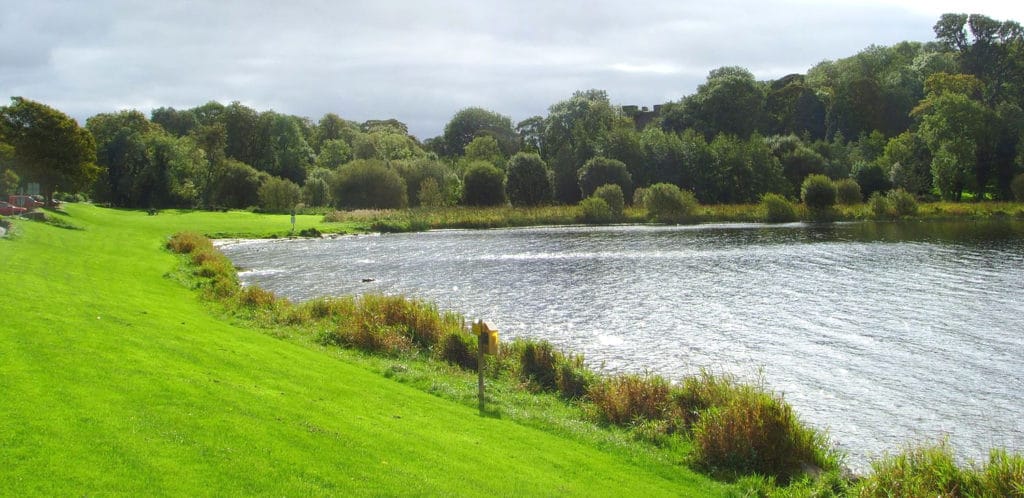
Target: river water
[{"x": 882, "y": 334}]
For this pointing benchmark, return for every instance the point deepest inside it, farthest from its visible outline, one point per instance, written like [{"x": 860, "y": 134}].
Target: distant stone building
[{"x": 641, "y": 116}]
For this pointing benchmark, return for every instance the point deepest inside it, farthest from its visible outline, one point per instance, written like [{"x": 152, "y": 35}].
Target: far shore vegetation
[
  {"x": 891, "y": 125},
  {"x": 768, "y": 211}
]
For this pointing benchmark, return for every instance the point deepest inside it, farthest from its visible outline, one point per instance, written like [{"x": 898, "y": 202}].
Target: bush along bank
[
  {"x": 727, "y": 429},
  {"x": 678, "y": 209}
]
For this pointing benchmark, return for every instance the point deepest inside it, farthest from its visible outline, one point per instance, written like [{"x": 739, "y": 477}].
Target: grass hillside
[{"x": 118, "y": 379}]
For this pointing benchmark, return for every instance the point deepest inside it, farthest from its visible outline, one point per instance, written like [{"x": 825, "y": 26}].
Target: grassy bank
[
  {"x": 720, "y": 426},
  {"x": 419, "y": 219},
  {"x": 117, "y": 379}
]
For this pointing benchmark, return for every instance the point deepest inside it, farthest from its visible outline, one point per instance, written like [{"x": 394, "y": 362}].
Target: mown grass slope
[{"x": 117, "y": 379}]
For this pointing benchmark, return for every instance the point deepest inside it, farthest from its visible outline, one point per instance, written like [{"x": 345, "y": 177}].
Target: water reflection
[{"x": 881, "y": 332}]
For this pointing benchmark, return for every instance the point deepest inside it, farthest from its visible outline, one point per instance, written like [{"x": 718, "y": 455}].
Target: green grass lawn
[{"x": 116, "y": 379}]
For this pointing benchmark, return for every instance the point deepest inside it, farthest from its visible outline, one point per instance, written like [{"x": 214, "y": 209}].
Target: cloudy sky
[{"x": 421, "y": 61}]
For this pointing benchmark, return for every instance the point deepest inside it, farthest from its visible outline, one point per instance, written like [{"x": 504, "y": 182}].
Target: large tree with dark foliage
[
  {"x": 474, "y": 122},
  {"x": 575, "y": 131},
  {"x": 529, "y": 180},
  {"x": 49, "y": 147}
]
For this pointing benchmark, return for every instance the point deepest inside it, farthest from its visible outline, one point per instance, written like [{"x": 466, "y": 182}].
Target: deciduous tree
[
  {"x": 575, "y": 131},
  {"x": 730, "y": 101},
  {"x": 483, "y": 185},
  {"x": 602, "y": 171},
  {"x": 278, "y": 195},
  {"x": 368, "y": 184},
  {"x": 49, "y": 147},
  {"x": 529, "y": 180},
  {"x": 474, "y": 122}
]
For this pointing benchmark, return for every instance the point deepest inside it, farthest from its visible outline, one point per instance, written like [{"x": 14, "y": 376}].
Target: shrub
[
  {"x": 612, "y": 195},
  {"x": 871, "y": 177},
  {"x": 368, "y": 184},
  {"x": 1017, "y": 186},
  {"x": 902, "y": 202},
  {"x": 316, "y": 191},
  {"x": 848, "y": 192},
  {"x": 278, "y": 195},
  {"x": 375, "y": 338},
  {"x": 595, "y": 210},
  {"x": 186, "y": 242},
  {"x": 602, "y": 171},
  {"x": 698, "y": 393},
  {"x": 221, "y": 287},
  {"x": 210, "y": 264},
  {"x": 236, "y": 184},
  {"x": 529, "y": 180},
  {"x": 431, "y": 194},
  {"x": 640, "y": 196},
  {"x": 777, "y": 209},
  {"x": 665, "y": 203},
  {"x": 757, "y": 433},
  {"x": 391, "y": 324},
  {"x": 459, "y": 349},
  {"x": 573, "y": 377},
  {"x": 537, "y": 365},
  {"x": 213, "y": 265},
  {"x": 418, "y": 321},
  {"x": 625, "y": 399},
  {"x": 327, "y": 307},
  {"x": 256, "y": 298},
  {"x": 483, "y": 185},
  {"x": 933, "y": 471},
  {"x": 818, "y": 193},
  {"x": 879, "y": 205}
]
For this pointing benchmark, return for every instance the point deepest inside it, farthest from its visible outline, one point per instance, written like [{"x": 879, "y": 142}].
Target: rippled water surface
[{"x": 881, "y": 333}]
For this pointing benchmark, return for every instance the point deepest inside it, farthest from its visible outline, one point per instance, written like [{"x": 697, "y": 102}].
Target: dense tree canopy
[
  {"x": 574, "y": 132},
  {"x": 474, "y": 122},
  {"x": 731, "y": 101},
  {"x": 943, "y": 118},
  {"x": 48, "y": 146}
]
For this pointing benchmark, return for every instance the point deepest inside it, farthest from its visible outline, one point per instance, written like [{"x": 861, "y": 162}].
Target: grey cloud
[{"x": 419, "y": 62}]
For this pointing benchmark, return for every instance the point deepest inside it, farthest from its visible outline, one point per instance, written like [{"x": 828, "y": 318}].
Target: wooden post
[{"x": 482, "y": 340}]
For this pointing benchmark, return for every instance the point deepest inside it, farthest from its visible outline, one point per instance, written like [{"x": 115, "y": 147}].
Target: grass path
[{"x": 115, "y": 379}]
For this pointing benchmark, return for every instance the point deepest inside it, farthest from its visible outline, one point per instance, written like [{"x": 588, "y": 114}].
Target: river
[{"x": 883, "y": 334}]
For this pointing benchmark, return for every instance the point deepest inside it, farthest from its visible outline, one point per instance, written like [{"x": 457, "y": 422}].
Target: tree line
[{"x": 936, "y": 119}]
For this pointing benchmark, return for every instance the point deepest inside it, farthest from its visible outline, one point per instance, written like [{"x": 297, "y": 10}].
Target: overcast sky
[{"x": 422, "y": 61}]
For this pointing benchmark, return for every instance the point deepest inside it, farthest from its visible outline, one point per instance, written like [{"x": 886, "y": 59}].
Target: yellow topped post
[{"x": 487, "y": 343}]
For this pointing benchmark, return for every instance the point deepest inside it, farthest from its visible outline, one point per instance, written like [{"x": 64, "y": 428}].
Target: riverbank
[
  {"x": 143, "y": 387},
  {"x": 420, "y": 219},
  {"x": 272, "y": 310},
  {"x": 117, "y": 379},
  {"x": 856, "y": 322}
]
